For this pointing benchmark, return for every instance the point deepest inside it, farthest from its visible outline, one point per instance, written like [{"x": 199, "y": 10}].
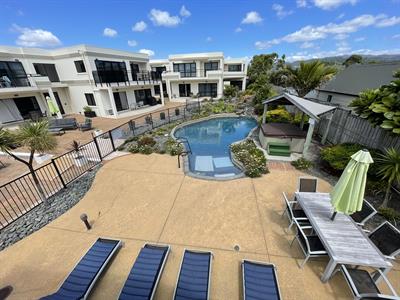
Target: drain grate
[{"x": 236, "y": 247}]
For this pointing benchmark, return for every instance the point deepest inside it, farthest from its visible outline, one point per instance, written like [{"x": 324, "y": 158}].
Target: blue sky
[{"x": 298, "y": 28}]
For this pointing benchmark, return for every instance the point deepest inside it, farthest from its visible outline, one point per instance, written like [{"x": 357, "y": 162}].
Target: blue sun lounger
[
  {"x": 259, "y": 281},
  {"x": 194, "y": 276},
  {"x": 143, "y": 278},
  {"x": 83, "y": 277}
]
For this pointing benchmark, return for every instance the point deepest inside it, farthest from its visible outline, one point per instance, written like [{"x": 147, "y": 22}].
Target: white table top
[{"x": 344, "y": 241}]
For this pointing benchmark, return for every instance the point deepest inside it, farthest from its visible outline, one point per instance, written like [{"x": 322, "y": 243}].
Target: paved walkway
[{"x": 140, "y": 199}]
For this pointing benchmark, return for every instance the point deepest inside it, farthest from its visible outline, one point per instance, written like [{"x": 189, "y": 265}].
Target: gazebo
[{"x": 282, "y": 138}]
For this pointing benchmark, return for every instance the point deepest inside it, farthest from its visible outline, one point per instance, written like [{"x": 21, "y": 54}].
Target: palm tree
[
  {"x": 34, "y": 136},
  {"x": 308, "y": 76},
  {"x": 389, "y": 169}
]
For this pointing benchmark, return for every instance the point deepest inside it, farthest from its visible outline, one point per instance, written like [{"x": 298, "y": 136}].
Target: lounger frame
[
  {"x": 161, "y": 269},
  {"x": 261, "y": 263},
  {"x": 209, "y": 271},
  {"x": 100, "y": 272}
]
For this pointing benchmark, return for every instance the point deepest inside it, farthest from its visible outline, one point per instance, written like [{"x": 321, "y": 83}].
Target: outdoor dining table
[{"x": 344, "y": 241}]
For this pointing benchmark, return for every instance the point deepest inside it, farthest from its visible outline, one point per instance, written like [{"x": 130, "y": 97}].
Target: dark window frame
[
  {"x": 235, "y": 68},
  {"x": 208, "y": 90},
  {"x": 90, "y": 100},
  {"x": 186, "y": 69},
  {"x": 184, "y": 89},
  {"x": 80, "y": 66},
  {"x": 48, "y": 70},
  {"x": 15, "y": 72}
]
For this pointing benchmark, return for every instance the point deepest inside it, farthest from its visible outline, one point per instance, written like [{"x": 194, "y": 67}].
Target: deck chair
[
  {"x": 83, "y": 277},
  {"x": 146, "y": 272},
  {"x": 259, "y": 281},
  {"x": 194, "y": 276},
  {"x": 307, "y": 184},
  {"x": 366, "y": 213}
]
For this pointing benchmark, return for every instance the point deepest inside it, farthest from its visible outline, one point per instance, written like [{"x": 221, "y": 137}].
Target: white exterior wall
[{"x": 341, "y": 99}]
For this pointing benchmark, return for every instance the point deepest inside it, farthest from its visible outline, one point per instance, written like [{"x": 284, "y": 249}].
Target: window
[
  {"x": 80, "y": 66},
  {"x": 144, "y": 97},
  {"x": 12, "y": 74},
  {"x": 110, "y": 71},
  {"x": 90, "y": 99},
  {"x": 48, "y": 70},
  {"x": 329, "y": 98},
  {"x": 121, "y": 101},
  {"x": 208, "y": 89},
  {"x": 157, "y": 90},
  {"x": 235, "y": 68},
  {"x": 186, "y": 69},
  {"x": 209, "y": 66},
  {"x": 184, "y": 90}
]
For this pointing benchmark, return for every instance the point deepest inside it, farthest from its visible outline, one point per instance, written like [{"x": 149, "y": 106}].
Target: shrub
[
  {"x": 146, "y": 141},
  {"x": 173, "y": 147},
  {"x": 375, "y": 187},
  {"x": 302, "y": 164},
  {"x": 389, "y": 214},
  {"x": 336, "y": 157},
  {"x": 252, "y": 158},
  {"x": 278, "y": 115},
  {"x": 143, "y": 149},
  {"x": 231, "y": 91}
]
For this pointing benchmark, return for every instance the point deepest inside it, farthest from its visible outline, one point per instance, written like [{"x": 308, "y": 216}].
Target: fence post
[
  {"x": 111, "y": 140},
  {"x": 131, "y": 125},
  {"x": 198, "y": 104},
  {"x": 97, "y": 147},
  {"x": 58, "y": 173},
  {"x": 151, "y": 121},
  {"x": 169, "y": 118}
]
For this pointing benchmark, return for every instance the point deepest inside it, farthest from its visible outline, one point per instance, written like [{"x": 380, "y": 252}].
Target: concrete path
[{"x": 140, "y": 199}]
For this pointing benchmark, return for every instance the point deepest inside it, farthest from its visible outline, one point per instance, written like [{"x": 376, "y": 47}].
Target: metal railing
[
  {"x": 122, "y": 77},
  {"x": 12, "y": 81},
  {"x": 193, "y": 73},
  {"x": 24, "y": 193}
]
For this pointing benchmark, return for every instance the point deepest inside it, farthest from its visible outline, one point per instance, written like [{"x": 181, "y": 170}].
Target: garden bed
[{"x": 250, "y": 158}]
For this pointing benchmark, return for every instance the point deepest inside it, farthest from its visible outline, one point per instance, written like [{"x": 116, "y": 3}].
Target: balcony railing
[
  {"x": 109, "y": 78},
  {"x": 194, "y": 73},
  {"x": 9, "y": 81}
]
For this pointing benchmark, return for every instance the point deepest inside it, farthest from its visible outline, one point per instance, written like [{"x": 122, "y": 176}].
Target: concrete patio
[{"x": 140, "y": 199}]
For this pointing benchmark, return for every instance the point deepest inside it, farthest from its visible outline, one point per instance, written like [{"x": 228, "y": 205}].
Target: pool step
[{"x": 279, "y": 149}]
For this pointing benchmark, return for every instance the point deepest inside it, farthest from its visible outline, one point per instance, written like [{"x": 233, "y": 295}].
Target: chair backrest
[
  {"x": 387, "y": 238},
  {"x": 308, "y": 184},
  {"x": 288, "y": 205},
  {"x": 302, "y": 237},
  {"x": 364, "y": 214}
]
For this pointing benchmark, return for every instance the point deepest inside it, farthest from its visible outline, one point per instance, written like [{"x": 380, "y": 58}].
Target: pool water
[{"x": 210, "y": 140}]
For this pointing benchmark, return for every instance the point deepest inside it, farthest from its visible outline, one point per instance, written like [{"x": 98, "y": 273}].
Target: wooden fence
[{"x": 349, "y": 128}]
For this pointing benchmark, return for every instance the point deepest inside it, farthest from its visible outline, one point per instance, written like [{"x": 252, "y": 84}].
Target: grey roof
[
  {"x": 357, "y": 78},
  {"x": 312, "y": 109}
]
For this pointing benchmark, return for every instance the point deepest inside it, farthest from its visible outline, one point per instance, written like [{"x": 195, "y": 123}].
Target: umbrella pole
[{"x": 333, "y": 215}]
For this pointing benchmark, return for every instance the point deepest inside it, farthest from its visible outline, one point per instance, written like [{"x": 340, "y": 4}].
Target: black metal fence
[
  {"x": 24, "y": 193},
  {"x": 121, "y": 77}
]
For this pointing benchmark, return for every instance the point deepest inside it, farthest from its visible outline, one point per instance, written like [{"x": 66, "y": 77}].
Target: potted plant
[
  {"x": 88, "y": 112},
  {"x": 77, "y": 155}
]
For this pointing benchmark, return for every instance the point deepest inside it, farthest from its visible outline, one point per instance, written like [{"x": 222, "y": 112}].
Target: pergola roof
[{"x": 312, "y": 109}]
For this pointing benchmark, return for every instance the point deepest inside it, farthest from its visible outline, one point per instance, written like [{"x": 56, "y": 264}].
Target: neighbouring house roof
[
  {"x": 312, "y": 109},
  {"x": 357, "y": 78}
]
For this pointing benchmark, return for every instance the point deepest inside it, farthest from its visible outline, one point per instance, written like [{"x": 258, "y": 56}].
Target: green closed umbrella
[
  {"x": 348, "y": 194},
  {"x": 52, "y": 106}
]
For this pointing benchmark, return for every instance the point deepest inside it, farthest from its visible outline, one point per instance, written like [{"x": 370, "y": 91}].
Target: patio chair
[
  {"x": 85, "y": 126},
  {"x": 386, "y": 238},
  {"x": 307, "y": 184},
  {"x": 294, "y": 213},
  {"x": 363, "y": 285},
  {"x": 259, "y": 281},
  {"x": 366, "y": 213},
  {"x": 83, "y": 277},
  {"x": 194, "y": 276},
  {"x": 146, "y": 272},
  {"x": 310, "y": 244}
]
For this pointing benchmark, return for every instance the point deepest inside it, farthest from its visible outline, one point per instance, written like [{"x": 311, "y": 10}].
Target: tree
[
  {"x": 34, "y": 136},
  {"x": 308, "y": 76},
  {"x": 389, "y": 169},
  {"x": 231, "y": 91},
  {"x": 381, "y": 107},
  {"x": 264, "y": 65},
  {"x": 353, "y": 59}
]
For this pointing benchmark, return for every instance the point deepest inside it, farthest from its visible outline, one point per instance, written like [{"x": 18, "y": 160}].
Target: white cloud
[
  {"x": 280, "y": 11},
  {"x": 312, "y": 33},
  {"x": 209, "y": 39},
  {"x": 331, "y": 4},
  {"x": 341, "y": 16},
  {"x": 341, "y": 36},
  {"x": 109, "y": 32},
  {"x": 147, "y": 51},
  {"x": 184, "y": 12},
  {"x": 238, "y": 29},
  {"x": 301, "y": 3},
  {"x": 266, "y": 44},
  {"x": 396, "y": 36},
  {"x": 388, "y": 22},
  {"x": 252, "y": 17},
  {"x": 343, "y": 46},
  {"x": 359, "y": 39},
  {"x": 163, "y": 18},
  {"x": 139, "y": 26},
  {"x": 132, "y": 43},
  {"x": 30, "y": 37},
  {"x": 307, "y": 45}
]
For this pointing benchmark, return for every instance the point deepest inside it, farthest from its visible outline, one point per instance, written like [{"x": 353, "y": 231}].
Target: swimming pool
[{"x": 210, "y": 140}]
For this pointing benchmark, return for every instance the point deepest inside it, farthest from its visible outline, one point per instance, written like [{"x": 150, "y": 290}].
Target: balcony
[
  {"x": 122, "y": 78},
  {"x": 9, "y": 81},
  {"x": 196, "y": 74}
]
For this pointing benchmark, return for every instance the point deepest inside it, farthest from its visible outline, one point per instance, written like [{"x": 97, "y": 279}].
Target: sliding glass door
[{"x": 184, "y": 90}]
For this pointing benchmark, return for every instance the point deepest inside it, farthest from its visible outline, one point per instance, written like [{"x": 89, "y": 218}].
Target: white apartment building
[
  {"x": 113, "y": 83},
  {"x": 199, "y": 74}
]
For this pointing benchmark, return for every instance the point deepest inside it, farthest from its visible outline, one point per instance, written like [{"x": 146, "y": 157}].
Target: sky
[{"x": 300, "y": 29}]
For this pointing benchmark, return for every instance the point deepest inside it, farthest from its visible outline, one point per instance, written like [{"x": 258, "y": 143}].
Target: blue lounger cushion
[
  {"x": 259, "y": 281},
  {"x": 145, "y": 273},
  {"x": 194, "y": 276},
  {"x": 80, "y": 281}
]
